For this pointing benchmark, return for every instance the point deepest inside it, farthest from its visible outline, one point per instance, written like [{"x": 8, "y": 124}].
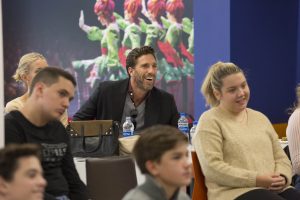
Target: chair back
[
  {"x": 200, "y": 190},
  {"x": 110, "y": 177}
]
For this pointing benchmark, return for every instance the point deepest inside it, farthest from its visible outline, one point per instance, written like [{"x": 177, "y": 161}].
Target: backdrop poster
[{"x": 91, "y": 41}]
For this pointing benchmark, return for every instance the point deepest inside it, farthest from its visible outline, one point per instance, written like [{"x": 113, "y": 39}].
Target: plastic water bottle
[
  {"x": 128, "y": 127},
  {"x": 193, "y": 130},
  {"x": 183, "y": 124}
]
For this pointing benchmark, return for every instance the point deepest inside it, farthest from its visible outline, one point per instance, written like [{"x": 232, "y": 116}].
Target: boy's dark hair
[
  {"x": 10, "y": 156},
  {"x": 49, "y": 76},
  {"x": 154, "y": 142},
  {"x": 135, "y": 53}
]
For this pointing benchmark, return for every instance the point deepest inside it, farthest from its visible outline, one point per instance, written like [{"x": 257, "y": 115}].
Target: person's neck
[
  {"x": 138, "y": 94},
  {"x": 32, "y": 113},
  {"x": 169, "y": 189},
  {"x": 236, "y": 116},
  {"x": 24, "y": 97},
  {"x": 172, "y": 19}
]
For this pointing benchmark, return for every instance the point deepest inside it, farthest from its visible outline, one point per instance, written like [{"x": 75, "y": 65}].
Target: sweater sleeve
[
  {"x": 282, "y": 163},
  {"x": 208, "y": 143},
  {"x": 77, "y": 189},
  {"x": 13, "y": 131},
  {"x": 293, "y": 135}
]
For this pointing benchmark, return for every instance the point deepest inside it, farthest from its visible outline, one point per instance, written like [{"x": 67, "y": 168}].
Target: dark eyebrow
[
  {"x": 145, "y": 64},
  {"x": 32, "y": 171},
  {"x": 67, "y": 93}
]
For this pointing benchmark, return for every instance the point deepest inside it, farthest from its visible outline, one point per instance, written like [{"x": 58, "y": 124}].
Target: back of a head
[
  {"x": 49, "y": 76},
  {"x": 11, "y": 154},
  {"x": 135, "y": 53},
  {"x": 24, "y": 64},
  {"x": 213, "y": 80},
  {"x": 154, "y": 142}
]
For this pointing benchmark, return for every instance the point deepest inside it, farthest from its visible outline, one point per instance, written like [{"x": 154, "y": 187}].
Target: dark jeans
[{"x": 263, "y": 194}]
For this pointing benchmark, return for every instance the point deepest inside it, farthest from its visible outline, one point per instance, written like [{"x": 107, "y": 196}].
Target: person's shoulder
[
  {"x": 162, "y": 92},
  {"x": 183, "y": 196},
  {"x": 106, "y": 84},
  {"x": 257, "y": 114},
  {"x": 295, "y": 114},
  {"x": 13, "y": 115},
  {"x": 136, "y": 194},
  {"x": 14, "y": 120},
  {"x": 211, "y": 113},
  {"x": 14, "y": 104},
  {"x": 57, "y": 125}
]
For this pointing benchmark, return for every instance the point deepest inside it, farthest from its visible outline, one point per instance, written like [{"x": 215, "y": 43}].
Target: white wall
[{"x": 1, "y": 82}]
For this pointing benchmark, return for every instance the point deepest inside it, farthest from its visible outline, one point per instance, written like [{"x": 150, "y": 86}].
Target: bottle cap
[{"x": 182, "y": 114}]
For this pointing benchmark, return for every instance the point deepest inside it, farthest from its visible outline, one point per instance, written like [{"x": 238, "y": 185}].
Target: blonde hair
[
  {"x": 213, "y": 80},
  {"x": 24, "y": 64}
]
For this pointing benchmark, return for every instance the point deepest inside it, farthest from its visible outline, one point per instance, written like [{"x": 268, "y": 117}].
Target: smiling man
[
  {"x": 135, "y": 96},
  {"x": 50, "y": 94}
]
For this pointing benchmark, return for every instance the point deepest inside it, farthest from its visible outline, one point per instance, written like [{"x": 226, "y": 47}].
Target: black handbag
[{"x": 94, "y": 138}]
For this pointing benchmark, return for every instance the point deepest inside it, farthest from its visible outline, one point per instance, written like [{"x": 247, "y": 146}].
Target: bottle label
[
  {"x": 127, "y": 133},
  {"x": 183, "y": 127},
  {"x": 183, "y": 124}
]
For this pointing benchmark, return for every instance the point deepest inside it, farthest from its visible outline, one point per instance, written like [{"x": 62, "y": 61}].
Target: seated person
[
  {"x": 21, "y": 174},
  {"x": 293, "y": 135},
  {"x": 50, "y": 94},
  {"x": 162, "y": 155},
  {"x": 237, "y": 147},
  {"x": 29, "y": 65},
  {"x": 134, "y": 97}
]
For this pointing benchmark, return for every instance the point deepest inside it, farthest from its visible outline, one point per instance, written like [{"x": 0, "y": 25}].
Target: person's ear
[
  {"x": 130, "y": 71},
  {"x": 3, "y": 186},
  {"x": 24, "y": 78},
  {"x": 39, "y": 88},
  {"x": 217, "y": 94},
  {"x": 152, "y": 167}
]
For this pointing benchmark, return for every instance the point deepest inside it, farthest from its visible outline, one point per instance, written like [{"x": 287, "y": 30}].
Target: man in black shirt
[{"x": 50, "y": 93}]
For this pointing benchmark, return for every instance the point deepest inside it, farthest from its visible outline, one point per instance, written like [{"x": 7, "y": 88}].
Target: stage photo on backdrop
[{"x": 91, "y": 40}]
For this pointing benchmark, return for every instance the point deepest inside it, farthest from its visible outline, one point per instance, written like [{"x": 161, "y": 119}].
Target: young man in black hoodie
[{"x": 50, "y": 94}]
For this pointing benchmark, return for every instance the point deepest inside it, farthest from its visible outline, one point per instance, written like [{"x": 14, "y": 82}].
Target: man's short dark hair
[
  {"x": 10, "y": 156},
  {"x": 49, "y": 76},
  {"x": 154, "y": 142},
  {"x": 135, "y": 53}
]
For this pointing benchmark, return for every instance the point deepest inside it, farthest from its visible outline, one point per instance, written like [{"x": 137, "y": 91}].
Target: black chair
[{"x": 110, "y": 177}]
